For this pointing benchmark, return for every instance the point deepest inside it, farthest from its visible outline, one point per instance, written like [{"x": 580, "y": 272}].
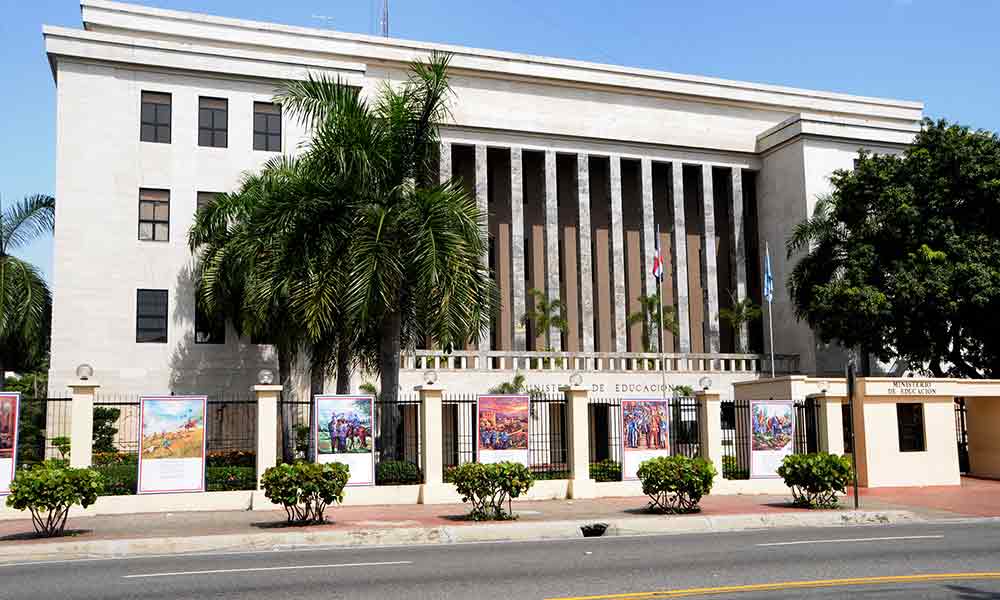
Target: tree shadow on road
[{"x": 965, "y": 592}]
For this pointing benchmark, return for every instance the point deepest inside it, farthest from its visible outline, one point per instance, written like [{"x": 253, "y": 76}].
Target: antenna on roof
[{"x": 384, "y": 19}]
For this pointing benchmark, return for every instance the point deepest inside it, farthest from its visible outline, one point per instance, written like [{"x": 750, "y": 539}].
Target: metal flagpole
[
  {"x": 769, "y": 293},
  {"x": 659, "y": 306}
]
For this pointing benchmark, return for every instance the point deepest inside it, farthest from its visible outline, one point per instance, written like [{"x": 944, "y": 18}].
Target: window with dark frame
[
  {"x": 151, "y": 317},
  {"x": 154, "y": 215},
  {"x": 208, "y": 329},
  {"x": 910, "y": 419},
  {"x": 213, "y": 122},
  {"x": 154, "y": 119},
  {"x": 204, "y": 198},
  {"x": 266, "y": 127}
]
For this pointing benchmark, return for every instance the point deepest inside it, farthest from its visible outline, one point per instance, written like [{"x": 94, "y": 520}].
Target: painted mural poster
[
  {"x": 10, "y": 403},
  {"x": 772, "y": 435},
  {"x": 502, "y": 428},
  {"x": 172, "y": 444},
  {"x": 345, "y": 434},
  {"x": 645, "y": 433}
]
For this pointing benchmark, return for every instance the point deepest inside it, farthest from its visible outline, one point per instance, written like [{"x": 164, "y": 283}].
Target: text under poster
[
  {"x": 345, "y": 434},
  {"x": 772, "y": 435},
  {"x": 502, "y": 428},
  {"x": 172, "y": 444},
  {"x": 10, "y": 404},
  {"x": 645, "y": 433}
]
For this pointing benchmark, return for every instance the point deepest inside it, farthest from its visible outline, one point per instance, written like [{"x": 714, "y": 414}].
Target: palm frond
[{"x": 25, "y": 221}]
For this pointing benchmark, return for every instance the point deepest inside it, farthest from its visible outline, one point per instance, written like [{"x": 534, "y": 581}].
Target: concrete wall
[{"x": 983, "y": 424}]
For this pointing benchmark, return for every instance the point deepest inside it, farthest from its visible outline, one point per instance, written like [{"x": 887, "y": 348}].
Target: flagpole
[
  {"x": 770, "y": 306},
  {"x": 659, "y": 306}
]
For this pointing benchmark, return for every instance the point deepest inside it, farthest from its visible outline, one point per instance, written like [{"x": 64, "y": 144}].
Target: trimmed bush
[
  {"x": 119, "y": 479},
  {"x": 489, "y": 487},
  {"x": 606, "y": 470},
  {"x": 816, "y": 479},
  {"x": 226, "y": 479},
  {"x": 231, "y": 458},
  {"x": 676, "y": 484},
  {"x": 306, "y": 489},
  {"x": 48, "y": 490},
  {"x": 397, "y": 472},
  {"x": 731, "y": 468}
]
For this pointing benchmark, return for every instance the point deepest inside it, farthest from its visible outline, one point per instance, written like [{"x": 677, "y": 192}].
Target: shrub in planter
[
  {"x": 48, "y": 490},
  {"x": 606, "y": 470},
  {"x": 676, "y": 484},
  {"x": 225, "y": 479},
  {"x": 305, "y": 489},
  {"x": 397, "y": 472},
  {"x": 489, "y": 487},
  {"x": 816, "y": 479}
]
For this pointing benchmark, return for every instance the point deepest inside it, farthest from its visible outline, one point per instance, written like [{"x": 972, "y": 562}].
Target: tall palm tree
[
  {"x": 25, "y": 300},
  {"x": 649, "y": 314},
  {"x": 545, "y": 315},
  {"x": 740, "y": 313}
]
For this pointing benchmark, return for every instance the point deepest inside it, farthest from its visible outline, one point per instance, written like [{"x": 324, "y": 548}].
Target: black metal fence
[
  {"x": 458, "y": 430},
  {"x": 685, "y": 430},
  {"x": 116, "y": 425},
  {"x": 548, "y": 453},
  {"x": 43, "y": 429}
]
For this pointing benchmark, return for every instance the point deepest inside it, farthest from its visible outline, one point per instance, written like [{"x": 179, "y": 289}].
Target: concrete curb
[{"x": 448, "y": 534}]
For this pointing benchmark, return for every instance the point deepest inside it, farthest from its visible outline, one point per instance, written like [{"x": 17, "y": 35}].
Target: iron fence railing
[
  {"x": 458, "y": 430},
  {"x": 43, "y": 429},
  {"x": 547, "y": 437}
]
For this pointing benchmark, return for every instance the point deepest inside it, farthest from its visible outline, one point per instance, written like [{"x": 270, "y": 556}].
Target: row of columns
[{"x": 584, "y": 246}]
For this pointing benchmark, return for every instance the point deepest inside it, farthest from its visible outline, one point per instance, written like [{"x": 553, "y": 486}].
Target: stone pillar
[
  {"x": 81, "y": 430},
  {"x": 738, "y": 254},
  {"x": 649, "y": 241},
  {"x": 552, "y": 242},
  {"x": 831, "y": 423},
  {"x": 517, "y": 234},
  {"x": 711, "y": 280},
  {"x": 578, "y": 442},
  {"x": 618, "y": 254},
  {"x": 584, "y": 251},
  {"x": 680, "y": 260},
  {"x": 482, "y": 201},
  {"x": 433, "y": 490},
  {"x": 267, "y": 427},
  {"x": 444, "y": 162},
  {"x": 710, "y": 427}
]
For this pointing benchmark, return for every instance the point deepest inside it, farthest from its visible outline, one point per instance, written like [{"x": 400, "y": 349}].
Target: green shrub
[
  {"x": 48, "y": 490},
  {"x": 305, "y": 489},
  {"x": 606, "y": 470},
  {"x": 490, "y": 486},
  {"x": 114, "y": 458},
  {"x": 676, "y": 484},
  {"x": 119, "y": 479},
  {"x": 397, "y": 472},
  {"x": 816, "y": 479},
  {"x": 548, "y": 475},
  {"x": 231, "y": 458},
  {"x": 61, "y": 444},
  {"x": 105, "y": 421},
  {"x": 226, "y": 479},
  {"x": 731, "y": 468}
]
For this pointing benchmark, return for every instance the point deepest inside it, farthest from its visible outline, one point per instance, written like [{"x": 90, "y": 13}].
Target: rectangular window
[
  {"x": 213, "y": 122},
  {"x": 266, "y": 127},
  {"x": 154, "y": 215},
  {"x": 910, "y": 419},
  {"x": 205, "y": 197},
  {"x": 151, "y": 317},
  {"x": 154, "y": 121},
  {"x": 208, "y": 330}
]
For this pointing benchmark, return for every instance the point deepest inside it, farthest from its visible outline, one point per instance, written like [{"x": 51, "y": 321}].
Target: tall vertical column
[
  {"x": 585, "y": 254},
  {"x": 267, "y": 427},
  {"x": 444, "y": 162},
  {"x": 517, "y": 246},
  {"x": 552, "y": 242},
  {"x": 482, "y": 201},
  {"x": 433, "y": 490},
  {"x": 618, "y": 253},
  {"x": 648, "y": 240},
  {"x": 680, "y": 260},
  {"x": 710, "y": 429},
  {"x": 578, "y": 442},
  {"x": 81, "y": 429},
  {"x": 738, "y": 254},
  {"x": 711, "y": 280}
]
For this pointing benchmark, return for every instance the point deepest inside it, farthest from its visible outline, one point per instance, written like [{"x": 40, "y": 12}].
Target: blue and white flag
[{"x": 768, "y": 275}]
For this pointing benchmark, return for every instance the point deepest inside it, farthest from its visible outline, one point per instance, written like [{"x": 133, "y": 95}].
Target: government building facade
[{"x": 583, "y": 169}]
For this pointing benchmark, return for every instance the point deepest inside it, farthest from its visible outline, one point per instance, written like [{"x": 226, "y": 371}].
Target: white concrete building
[{"x": 579, "y": 164}]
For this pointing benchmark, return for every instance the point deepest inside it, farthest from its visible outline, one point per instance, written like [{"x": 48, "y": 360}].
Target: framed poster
[
  {"x": 10, "y": 404},
  {"x": 345, "y": 433},
  {"x": 172, "y": 444},
  {"x": 645, "y": 433},
  {"x": 772, "y": 436},
  {"x": 502, "y": 428}
]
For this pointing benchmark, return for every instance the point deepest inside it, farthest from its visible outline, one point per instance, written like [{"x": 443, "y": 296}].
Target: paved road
[{"x": 906, "y": 558}]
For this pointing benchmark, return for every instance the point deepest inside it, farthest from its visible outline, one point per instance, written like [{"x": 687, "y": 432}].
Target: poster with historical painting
[
  {"x": 645, "y": 433},
  {"x": 345, "y": 434},
  {"x": 10, "y": 403},
  {"x": 502, "y": 428},
  {"x": 772, "y": 435},
  {"x": 172, "y": 444}
]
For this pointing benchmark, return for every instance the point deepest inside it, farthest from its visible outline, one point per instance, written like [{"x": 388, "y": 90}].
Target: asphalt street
[{"x": 955, "y": 560}]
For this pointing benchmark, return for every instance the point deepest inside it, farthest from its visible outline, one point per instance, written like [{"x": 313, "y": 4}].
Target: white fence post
[
  {"x": 433, "y": 490},
  {"x": 82, "y": 423},
  {"x": 267, "y": 427},
  {"x": 710, "y": 427},
  {"x": 578, "y": 442}
]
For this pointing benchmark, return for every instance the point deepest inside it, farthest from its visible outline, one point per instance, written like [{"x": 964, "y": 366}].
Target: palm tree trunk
[
  {"x": 287, "y": 422},
  {"x": 343, "y": 369},
  {"x": 389, "y": 359},
  {"x": 317, "y": 380}
]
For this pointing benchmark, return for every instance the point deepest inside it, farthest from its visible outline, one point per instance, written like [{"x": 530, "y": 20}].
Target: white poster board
[
  {"x": 772, "y": 436},
  {"x": 10, "y": 405},
  {"x": 172, "y": 444},
  {"x": 344, "y": 431},
  {"x": 645, "y": 433},
  {"x": 503, "y": 428}
]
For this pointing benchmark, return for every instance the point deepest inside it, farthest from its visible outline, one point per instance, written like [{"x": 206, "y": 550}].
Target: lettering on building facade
[{"x": 912, "y": 388}]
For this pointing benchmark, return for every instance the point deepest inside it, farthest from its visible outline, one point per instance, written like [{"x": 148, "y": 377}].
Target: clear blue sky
[{"x": 942, "y": 52}]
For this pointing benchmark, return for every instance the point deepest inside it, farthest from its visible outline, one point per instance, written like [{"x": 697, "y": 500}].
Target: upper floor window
[
  {"x": 266, "y": 127},
  {"x": 910, "y": 419},
  {"x": 154, "y": 215},
  {"x": 151, "y": 317},
  {"x": 205, "y": 197},
  {"x": 213, "y": 122},
  {"x": 155, "y": 118}
]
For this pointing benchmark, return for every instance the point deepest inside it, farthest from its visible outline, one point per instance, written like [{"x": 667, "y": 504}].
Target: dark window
[
  {"x": 205, "y": 197},
  {"x": 154, "y": 122},
  {"x": 151, "y": 317},
  {"x": 213, "y": 122},
  {"x": 207, "y": 329},
  {"x": 154, "y": 215},
  {"x": 910, "y": 418},
  {"x": 266, "y": 127}
]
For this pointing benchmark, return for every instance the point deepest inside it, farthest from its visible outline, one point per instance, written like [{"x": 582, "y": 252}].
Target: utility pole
[{"x": 851, "y": 384}]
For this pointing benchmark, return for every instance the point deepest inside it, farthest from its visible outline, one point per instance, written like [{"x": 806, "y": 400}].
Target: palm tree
[
  {"x": 545, "y": 316},
  {"x": 649, "y": 314},
  {"x": 25, "y": 300},
  {"x": 739, "y": 315}
]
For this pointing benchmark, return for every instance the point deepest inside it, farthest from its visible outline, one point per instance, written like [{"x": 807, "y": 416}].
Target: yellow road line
[{"x": 790, "y": 585}]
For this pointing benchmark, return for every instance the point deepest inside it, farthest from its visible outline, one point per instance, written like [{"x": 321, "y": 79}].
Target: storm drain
[{"x": 594, "y": 529}]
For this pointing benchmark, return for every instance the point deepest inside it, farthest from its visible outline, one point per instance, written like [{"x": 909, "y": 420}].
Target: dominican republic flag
[
  {"x": 768, "y": 275},
  {"x": 657, "y": 261}
]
